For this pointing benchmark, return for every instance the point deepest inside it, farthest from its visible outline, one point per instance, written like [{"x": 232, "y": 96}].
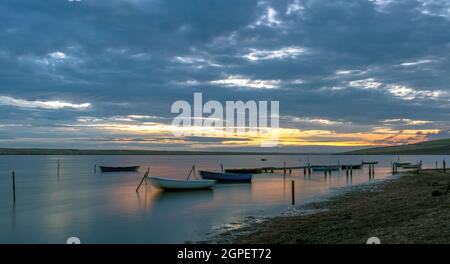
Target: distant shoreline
[
  {"x": 105, "y": 152},
  {"x": 432, "y": 147},
  {"x": 42, "y": 151}
]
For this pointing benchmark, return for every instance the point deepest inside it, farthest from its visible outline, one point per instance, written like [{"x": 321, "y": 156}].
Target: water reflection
[{"x": 104, "y": 207}]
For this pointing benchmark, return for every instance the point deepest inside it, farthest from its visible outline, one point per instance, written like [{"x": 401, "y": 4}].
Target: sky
[{"x": 103, "y": 74}]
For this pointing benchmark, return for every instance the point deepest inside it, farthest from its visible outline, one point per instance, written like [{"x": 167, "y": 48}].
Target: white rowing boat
[{"x": 180, "y": 185}]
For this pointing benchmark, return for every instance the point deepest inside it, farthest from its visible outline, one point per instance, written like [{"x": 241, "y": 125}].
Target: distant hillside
[
  {"x": 39, "y": 151},
  {"x": 434, "y": 147}
]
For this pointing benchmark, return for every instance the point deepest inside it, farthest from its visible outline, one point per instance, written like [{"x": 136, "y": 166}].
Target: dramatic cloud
[
  {"x": 415, "y": 63},
  {"x": 104, "y": 73},
  {"x": 287, "y": 52},
  {"x": 241, "y": 81},
  {"x": 9, "y": 101},
  {"x": 401, "y": 91},
  {"x": 268, "y": 19}
]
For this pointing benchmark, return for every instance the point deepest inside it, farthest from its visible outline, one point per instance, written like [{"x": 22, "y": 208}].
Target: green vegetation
[{"x": 434, "y": 147}]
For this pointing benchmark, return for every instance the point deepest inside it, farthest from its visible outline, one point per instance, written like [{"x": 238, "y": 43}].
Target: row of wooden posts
[
  {"x": 14, "y": 181},
  {"x": 306, "y": 170}
]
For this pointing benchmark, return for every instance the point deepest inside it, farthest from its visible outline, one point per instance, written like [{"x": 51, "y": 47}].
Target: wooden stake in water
[
  {"x": 58, "y": 169},
  {"x": 221, "y": 167},
  {"x": 14, "y": 187},
  {"x": 293, "y": 192},
  {"x": 143, "y": 178},
  {"x": 95, "y": 168},
  {"x": 190, "y": 173},
  {"x": 444, "y": 165}
]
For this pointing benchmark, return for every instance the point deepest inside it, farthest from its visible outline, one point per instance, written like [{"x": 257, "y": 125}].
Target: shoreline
[
  {"x": 411, "y": 208},
  {"x": 135, "y": 152}
]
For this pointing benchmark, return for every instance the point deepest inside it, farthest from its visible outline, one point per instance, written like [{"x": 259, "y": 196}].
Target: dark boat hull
[
  {"x": 118, "y": 169},
  {"x": 244, "y": 171},
  {"x": 369, "y": 162},
  {"x": 326, "y": 167},
  {"x": 353, "y": 167},
  {"x": 226, "y": 177}
]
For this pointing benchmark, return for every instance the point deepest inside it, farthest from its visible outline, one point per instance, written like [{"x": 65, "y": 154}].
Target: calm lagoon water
[{"x": 104, "y": 207}]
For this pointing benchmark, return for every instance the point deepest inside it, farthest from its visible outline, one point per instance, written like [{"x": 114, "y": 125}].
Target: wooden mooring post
[
  {"x": 371, "y": 171},
  {"x": 144, "y": 178},
  {"x": 57, "y": 169},
  {"x": 14, "y": 187},
  {"x": 444, "y": 166},
  {"x": 293, "y": 192},
  {"x": 95, "y": 168}
]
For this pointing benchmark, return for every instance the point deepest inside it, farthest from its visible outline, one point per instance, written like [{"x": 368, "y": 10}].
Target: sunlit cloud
[
  {"x": 407, "y": 93},
  {"x": 268, "y": 19},
  {"x": 57, "y": 55},
  {"x": 401, "y": 91},
  {"x": 22, "y": 103},
  {"x": 197, "y": 61},
  {"x": 439, "y": 8},
  {"x": 162, "y": 133},
  {"x": 366, "y": 84},
  {"x": 295, "y": 7},
  {"x": 286, "y": 52},
  {"x": 415, "y": 63},
  {"x": 351, "y": 72},
  {"x": 318, "y": 121},
  {"x": 382, "y": 5},
  {"x": 187, "y": 82},
  {"x": 51, "y": 59},
  {"x": 407, "y": 121},
  {"x": 244, "y": 82}
]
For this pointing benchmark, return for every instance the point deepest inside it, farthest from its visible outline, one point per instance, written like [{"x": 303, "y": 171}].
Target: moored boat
[
  {"x": 118, "y": 169},
  {"x": 352, "y": 166},
  {"x": 180, "y": 185},
  {"x": 410, "y": 166},
  {"x": 369, "y": 162},
  {"x": 226, "y": 176},
  {"x": 326, "y": 167},
  {"x": 251, "y": 171}
]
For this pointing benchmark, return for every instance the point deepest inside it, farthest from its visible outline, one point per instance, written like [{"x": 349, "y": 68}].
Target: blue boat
[{"x": 226, "y": 177}]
